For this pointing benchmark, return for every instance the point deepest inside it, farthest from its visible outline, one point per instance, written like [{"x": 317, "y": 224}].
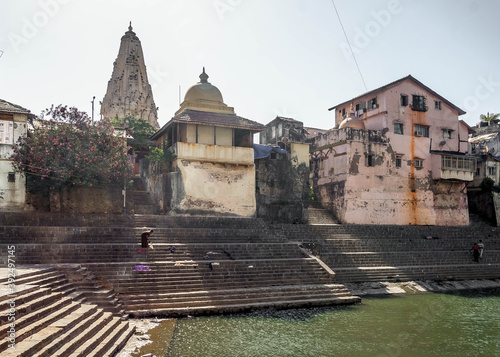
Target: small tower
[{"x": 129, "y": 91}]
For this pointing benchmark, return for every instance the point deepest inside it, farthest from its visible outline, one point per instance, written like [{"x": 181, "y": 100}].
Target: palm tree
[{"x": 489, "y": 116}]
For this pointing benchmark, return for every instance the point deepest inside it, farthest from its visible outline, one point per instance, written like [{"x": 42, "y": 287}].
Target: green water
[{"x": 411, "y": 326}]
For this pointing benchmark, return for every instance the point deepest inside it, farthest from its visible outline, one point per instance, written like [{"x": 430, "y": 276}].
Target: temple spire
[{"x": 129, "y": 91}]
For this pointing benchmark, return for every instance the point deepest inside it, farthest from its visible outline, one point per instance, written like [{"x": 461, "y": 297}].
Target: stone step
[
  {"x": 64, "y": 342},
  {"x": 30, "y": 302},
  {"x": 92, "y": 342},
  {"x": 113, "y": 341},
  {"x": 191, "y": 311},
  {"x": 80, "y": 343},
  {"x": 228, "y": 297},
  {"x": 58, "y": 307},
  {"x": 26, "y": 273},
  {"x": 118, "y": 344},
  {"x": 46, "y": 335},
  {"x": 222, "y": 301}
]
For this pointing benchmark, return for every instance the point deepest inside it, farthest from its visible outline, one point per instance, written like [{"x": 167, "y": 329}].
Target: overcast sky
[{"x": 267, "y": 57}]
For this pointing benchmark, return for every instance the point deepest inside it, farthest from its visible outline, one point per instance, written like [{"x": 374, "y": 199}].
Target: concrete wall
[{"x": 213, "y": 188}]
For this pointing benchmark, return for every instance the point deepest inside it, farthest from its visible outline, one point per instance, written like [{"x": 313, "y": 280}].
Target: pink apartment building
[{"x": 397, "y": 155}]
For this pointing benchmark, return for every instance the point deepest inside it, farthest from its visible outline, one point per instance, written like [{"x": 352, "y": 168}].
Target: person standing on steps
[
  {"x": 145, "y": 242},
  {"x": 481, "y": 248},
  {"x": 475, "y": 252}
]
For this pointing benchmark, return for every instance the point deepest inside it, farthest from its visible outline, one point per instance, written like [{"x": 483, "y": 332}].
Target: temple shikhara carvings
[{"x": 129, "y": 91}]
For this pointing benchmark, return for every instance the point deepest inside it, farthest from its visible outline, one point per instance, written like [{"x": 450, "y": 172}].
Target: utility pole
[{"x": 93, "y": 99}]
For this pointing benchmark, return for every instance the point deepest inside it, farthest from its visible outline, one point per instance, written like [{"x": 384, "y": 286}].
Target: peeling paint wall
[
  {"x": 383, "y": 193},
  {"x": 215, "y": 188}
]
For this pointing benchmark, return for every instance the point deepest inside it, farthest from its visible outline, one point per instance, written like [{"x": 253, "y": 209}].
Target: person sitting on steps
[{"x": 145, "y": 242}]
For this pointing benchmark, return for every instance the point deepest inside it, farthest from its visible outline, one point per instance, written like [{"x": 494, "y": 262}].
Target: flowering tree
[{"x": 67, "y": 149}]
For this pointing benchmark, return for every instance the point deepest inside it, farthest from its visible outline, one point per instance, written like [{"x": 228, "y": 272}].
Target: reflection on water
[{"x": 411, "y": 326}]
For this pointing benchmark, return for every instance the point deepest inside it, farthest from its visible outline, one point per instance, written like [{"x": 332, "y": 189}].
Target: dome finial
[
  {"x": 130, "y": 26},
  {"x": 203, "y": 76}
]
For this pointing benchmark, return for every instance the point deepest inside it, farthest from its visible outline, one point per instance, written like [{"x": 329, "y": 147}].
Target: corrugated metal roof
[{"x": 483, "y": 138}]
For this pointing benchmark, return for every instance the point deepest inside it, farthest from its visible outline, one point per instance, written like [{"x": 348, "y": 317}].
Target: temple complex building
[
  {"x": 129, "y": 91},
  {"x": 213, "y": 170}
]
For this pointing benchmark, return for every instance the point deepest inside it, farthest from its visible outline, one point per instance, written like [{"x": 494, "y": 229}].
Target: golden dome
[{"x": 204, "y": 96}]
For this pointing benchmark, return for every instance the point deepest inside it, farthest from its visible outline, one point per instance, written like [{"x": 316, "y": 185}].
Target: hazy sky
[{"x": 267, "y": 57}]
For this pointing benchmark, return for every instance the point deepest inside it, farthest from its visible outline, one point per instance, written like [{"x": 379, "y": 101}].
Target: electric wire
[{"x": 349, "y": 44}]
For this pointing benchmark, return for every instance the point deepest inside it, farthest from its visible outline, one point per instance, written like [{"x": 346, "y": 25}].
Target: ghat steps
[
  {"x": 200, "y": 259},
  {"x": 51, "y": 317},
  {"x": 399, "y": 253}
]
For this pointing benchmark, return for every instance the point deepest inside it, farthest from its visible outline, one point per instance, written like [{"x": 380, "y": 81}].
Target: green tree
[
  {"x": 489, "y": 116},
  {"x": 138, "y": 128},
  {"x": 66, "y": 149}
]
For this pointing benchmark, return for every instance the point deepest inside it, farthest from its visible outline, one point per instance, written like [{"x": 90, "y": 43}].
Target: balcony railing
[{"x": 419, "y": 107}]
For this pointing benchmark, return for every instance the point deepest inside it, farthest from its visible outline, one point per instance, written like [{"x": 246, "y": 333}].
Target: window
[
  {"x": 399, "y": 160},
  {"x": 370, "y": 160},
  {"x": 398, "y": 128},
  {"x": 273, "y": 132},
  {"x": 492, "y": 170},
  {"x": 372, "y": 103},
  {"x": 447, "y": 133},
  {"x": 437, "y": 104},
  {"x": 458, "y": 163},
  {"x": 418, "y": 103},
  {"x": 343, "y": 112},
  {"x": 280, "y": 130},
  {"x": 361, "y": 108},
  {"x": 11, "y": 177},
  {"x": 6, "y": 132},
  {"x": 419, "y": 163},
  {"x": 404, "y": 100},
  {"x": 421, "y": 130}
]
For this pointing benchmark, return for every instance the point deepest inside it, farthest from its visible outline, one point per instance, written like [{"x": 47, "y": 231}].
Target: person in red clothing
[{"x": 475, "y": 252}]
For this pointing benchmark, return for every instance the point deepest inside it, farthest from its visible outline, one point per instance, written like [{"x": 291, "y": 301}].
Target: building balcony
[
  {"x": 459, "y": 168},
  {"x": 234, "y": 155}
]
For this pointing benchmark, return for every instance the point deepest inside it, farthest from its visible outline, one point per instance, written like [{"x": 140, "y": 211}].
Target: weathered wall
[
  {"x": 282, "y": 190},
  {"x": 486, "y": 204},
  {"x": 156, "y": 180},
  {"x": 214, "y": 188},
  {"x": 384, "y": 194},
  {"x": 82, "y": 200}
]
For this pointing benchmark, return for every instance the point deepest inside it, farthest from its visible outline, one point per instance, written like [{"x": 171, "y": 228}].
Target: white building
[{"x": 13, "y": 124}]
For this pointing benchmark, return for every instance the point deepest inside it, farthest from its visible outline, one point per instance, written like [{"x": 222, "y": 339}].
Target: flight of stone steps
[
  {"x": 51, "y": 317},
  {"x": 143, "y": 204},
  {"x": 400, "y": 253},
  {"x": 209, "y": 264},
  {"x": 319, "y": 215}
]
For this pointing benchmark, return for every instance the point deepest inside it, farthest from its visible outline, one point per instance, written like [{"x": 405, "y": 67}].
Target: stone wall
[
  {"x": 83, "y": 200},
  {"x": 282, "y": 189},
  {"x": 485, "y": 204},
  {"x": 158, "y": 183}
]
